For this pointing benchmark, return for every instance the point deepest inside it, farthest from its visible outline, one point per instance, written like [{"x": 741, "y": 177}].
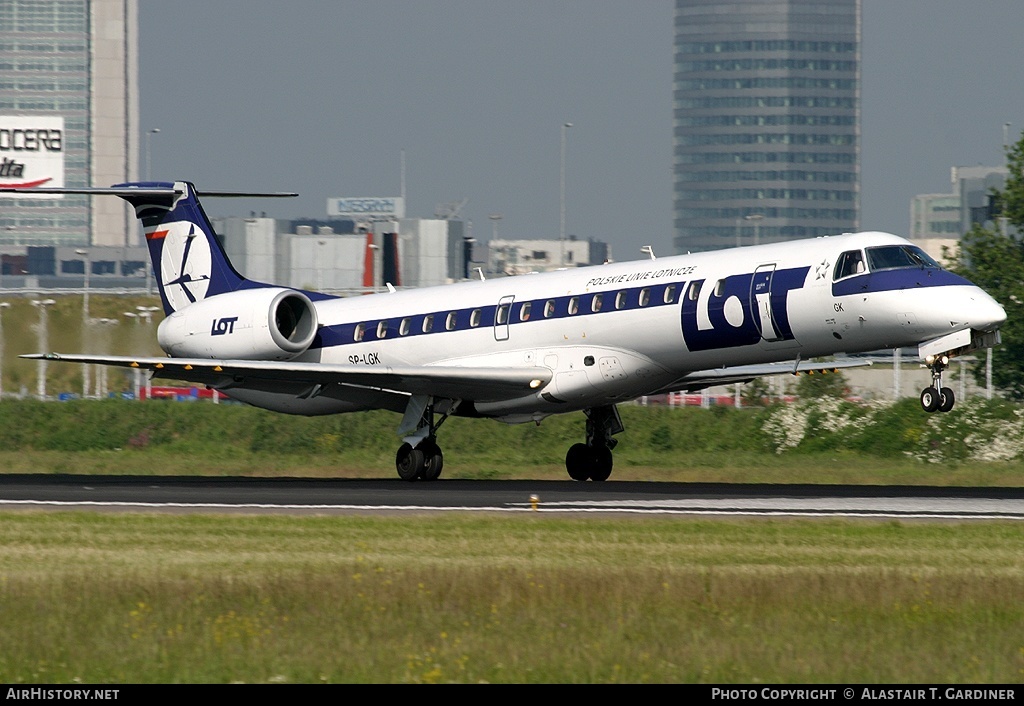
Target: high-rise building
[
  {"x": 68, "y": 117},
  {"x": 767, "y": 120}
]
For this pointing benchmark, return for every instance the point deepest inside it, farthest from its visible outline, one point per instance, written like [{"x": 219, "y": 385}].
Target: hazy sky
[{"x": 322, "y": 97}]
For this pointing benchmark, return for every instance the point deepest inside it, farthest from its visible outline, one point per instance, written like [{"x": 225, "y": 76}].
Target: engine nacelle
[{"x": 250, "y": 324}]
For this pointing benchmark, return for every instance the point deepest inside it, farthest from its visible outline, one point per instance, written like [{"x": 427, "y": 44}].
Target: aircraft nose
[{"x": 986, "y": 313}]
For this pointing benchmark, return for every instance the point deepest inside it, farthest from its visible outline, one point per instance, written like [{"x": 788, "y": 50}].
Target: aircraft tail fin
[{"x": 189, "y": 263}]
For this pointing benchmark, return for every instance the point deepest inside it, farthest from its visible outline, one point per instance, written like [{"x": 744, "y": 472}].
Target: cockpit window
[
  {"x": 849, "y": 263},
  {"x": 891, "y": 257}
]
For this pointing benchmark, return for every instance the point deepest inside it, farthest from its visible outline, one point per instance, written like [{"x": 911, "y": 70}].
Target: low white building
[
  {"x": 516, "y": 257},
  {"x": 424, "y": 252}
]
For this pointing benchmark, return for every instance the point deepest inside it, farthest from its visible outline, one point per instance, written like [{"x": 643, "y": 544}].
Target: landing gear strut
[
  {"x": 937, "y": 398},
  {"x": 593, "y": 460},
  {"x": 424, "y": 460}
]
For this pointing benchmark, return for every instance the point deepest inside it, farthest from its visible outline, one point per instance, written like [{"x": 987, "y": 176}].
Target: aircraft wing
[
  {"x": 700, "y": 379},
  {"x": 476, "y": 384}
]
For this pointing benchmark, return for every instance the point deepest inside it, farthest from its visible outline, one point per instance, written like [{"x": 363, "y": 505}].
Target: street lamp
[
  {"x": 101, "y": 370},
  {"x": 3, "y": 305},
  {"x": 561, "y": 225},
  {"x": 42, "y": 305},
  {"x": 756, "y": 218},
  {"x": 146, "y": 312},
  {"x": 149, "y": 135},
  {"x": 495, "y": 217},
  {"x": 136, "y": 372},
  {"x": 375, "y": 267},
  {"x": 85, "y": 317},
  {"x": 320, "y": 265},
  {"x": 85, "y": 299}
]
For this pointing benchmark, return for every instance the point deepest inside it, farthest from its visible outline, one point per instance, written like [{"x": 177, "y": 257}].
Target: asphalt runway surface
[{"x": 337, "y": 496}]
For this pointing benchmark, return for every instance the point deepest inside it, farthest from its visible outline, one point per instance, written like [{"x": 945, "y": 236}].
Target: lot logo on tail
[{"x": 185, "y": 262}]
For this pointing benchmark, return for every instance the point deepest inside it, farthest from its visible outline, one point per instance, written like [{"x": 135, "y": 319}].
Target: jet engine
[{"x": 248, "y": 324}]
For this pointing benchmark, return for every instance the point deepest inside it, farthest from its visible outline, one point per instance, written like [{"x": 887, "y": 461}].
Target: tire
[
  {"x": 930, "y": 399},
  {"x": 409, "y": 462},
  {"x": 578, "y": 462},
  {"x": 433, "y": 460},
  {"x": 602, "y": 463},
  {"x": 947, "y": 399}
]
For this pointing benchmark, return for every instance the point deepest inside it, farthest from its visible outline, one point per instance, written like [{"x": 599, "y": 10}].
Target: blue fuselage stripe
[{"x": 547, "y": 309}]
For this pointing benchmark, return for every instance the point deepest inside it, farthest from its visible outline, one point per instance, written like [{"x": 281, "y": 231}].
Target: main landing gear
[
  {"x": 423, "y": 459},
  {"x": 937, "y": 398},
  {"x": 593, "y": 460}
]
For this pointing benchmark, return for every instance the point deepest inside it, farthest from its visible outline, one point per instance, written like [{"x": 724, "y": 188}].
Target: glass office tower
[
  {"x": 766, "y": 121},
  {"x": 68, "y": 85}
]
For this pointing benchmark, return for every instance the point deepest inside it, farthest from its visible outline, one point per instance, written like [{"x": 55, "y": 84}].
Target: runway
[{"x": 336, "y": 496}]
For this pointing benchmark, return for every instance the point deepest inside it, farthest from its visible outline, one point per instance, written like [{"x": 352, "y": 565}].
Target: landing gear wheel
[
  {"x": 409, "y": 462},
  {"x": 930, "y": 399},
  {"x": 425, "y": 460},
  {"x": 433, "y": 460},
  {"x": 589, "y": 462},
  {"x": 602, "y": 463},
  {"x": 577, "y": 461},
  {"x": 947, "y": 399}
]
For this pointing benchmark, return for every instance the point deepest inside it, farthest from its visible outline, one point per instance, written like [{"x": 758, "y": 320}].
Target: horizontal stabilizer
[{"x": 144, "y": 191}]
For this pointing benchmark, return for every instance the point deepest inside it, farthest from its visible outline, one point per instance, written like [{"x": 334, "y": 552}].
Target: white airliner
[{"x": 518, "y": 349}]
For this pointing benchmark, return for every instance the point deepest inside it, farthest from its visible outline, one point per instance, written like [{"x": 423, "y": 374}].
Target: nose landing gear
[{"x": 937, "y": 398}]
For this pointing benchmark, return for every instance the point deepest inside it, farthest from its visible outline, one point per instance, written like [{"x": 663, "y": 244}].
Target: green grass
[
  {"x": 143, "y": 598},
  {"x": 902, "y": 446}
]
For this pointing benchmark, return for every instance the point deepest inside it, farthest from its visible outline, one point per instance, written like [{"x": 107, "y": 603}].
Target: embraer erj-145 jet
[{"x": 518, "y": 349}]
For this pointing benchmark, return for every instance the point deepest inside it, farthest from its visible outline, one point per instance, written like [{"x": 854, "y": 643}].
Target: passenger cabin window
[
  {"x": 670, "y": 294},
  {"x": 719, "y": 287},
  {"x": 403, "y": 328},
  {"x": 645, "y": 297},
  {"x": 849, "y": 263},
  {"x": 549, "y": 308},
  {"x": 524, "y": 311},
  {"x": 474, "y": 318},
  {"x": 428, "y": 323},
  {"x": 595, "y": 303},
  {"x": 694, "y": 290},
  {"x": 620, "y": 300},
  {"x": 501, "y": 316},
  {"x": 574, "y": 305},
  {"x": 891, "y": 257},
  {"x": 450, "y": 321},
  {"x": 382, "y": 329},
  {"x": 359, "y": 332}
]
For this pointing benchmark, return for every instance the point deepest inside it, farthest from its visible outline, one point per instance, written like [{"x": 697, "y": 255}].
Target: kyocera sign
[
  {"x": 32, "y": 151},
  {"x": 367, "y": 207}
]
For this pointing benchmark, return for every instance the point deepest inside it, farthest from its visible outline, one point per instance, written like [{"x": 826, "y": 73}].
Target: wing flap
[
  {"x": 701, "y": 379},
  {"x": 475, "y": 384}
]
